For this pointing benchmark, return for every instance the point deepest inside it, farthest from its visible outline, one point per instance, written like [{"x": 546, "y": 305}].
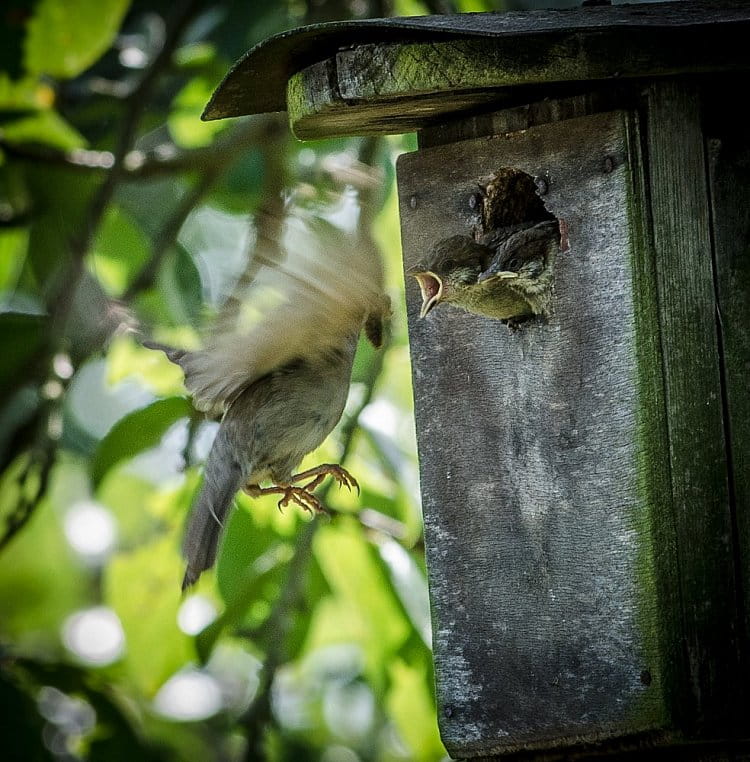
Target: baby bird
[
  {"x": 279, "y": 370},
  {"x": 506, "y": 275}
]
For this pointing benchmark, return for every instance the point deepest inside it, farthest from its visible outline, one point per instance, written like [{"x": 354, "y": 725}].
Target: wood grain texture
[
  {"x": 256, "y": 83},
  {"x": 529, "y": 114},
  {"x": 729, "y": 173},
  {"x": 401, "y": 87},
  {"x": 548, "y": 622},
  {"x": 691, "y": 365}
]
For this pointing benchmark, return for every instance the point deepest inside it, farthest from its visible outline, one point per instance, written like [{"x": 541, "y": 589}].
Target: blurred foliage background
[{"x": 119, "y": 208}]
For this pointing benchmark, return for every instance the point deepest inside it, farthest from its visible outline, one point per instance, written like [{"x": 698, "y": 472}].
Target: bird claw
[
  {"x": 339, "y": 473},
  {"x": 342, "y": 476},
  {"x": 304, "y": 499},
  {"x": 303, "y": 496}
]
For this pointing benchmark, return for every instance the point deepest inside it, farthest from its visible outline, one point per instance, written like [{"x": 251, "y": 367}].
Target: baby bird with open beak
[{"x": 506, "y": 275}]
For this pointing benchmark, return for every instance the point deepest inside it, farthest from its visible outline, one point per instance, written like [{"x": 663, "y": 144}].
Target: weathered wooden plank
[
  {"x": 316, "y": 108},
  {"x": 256, "y": 82},
  {"x": 729, "y": 174},
  {"x": 541, "y": 507},
  {"x": 462, "y": 127},
  {"x": 700, "y": 496},
  {"x": 404, "y": 87}
]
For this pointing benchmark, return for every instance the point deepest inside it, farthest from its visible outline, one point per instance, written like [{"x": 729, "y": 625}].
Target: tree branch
[
  {"x": 136, "y": 105},
  {"x": 164, "y": 159}
]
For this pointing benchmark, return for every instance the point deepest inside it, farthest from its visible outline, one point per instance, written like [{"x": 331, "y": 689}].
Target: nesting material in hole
[{"x": 505, "y": 269}]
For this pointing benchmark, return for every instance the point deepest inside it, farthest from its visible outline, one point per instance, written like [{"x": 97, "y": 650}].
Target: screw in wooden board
[
  {"x": 646, "y": 677},
  {"x": 413, "y": 202},
  {"x": 542, "y": 186},
  {"x": 609, "y": 164}
]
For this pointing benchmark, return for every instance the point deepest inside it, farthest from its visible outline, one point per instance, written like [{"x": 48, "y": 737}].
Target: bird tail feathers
[{"x": 207, "y": 519}]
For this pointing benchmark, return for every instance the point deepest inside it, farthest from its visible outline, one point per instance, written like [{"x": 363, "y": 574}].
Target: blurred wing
[{"x": 321, "y": 292}]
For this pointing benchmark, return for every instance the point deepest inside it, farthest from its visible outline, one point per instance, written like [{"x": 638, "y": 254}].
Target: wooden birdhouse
[{"x": 585, "y": 469}]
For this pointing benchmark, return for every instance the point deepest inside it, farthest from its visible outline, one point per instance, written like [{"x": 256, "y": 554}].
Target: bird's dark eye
[
  {"x": 449, "y": 264},
  {"x": 513, "y": 264}
]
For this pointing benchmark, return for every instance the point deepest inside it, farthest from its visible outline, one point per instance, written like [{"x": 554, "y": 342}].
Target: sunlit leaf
[
  {"x": 143, "y": 588},
  {"x": 45, "y": 128},
  {"x": 13, "y": 245},
  {"x": 23, "y": 95},
  {"x": 137, "y": 432},
  {"x": 25, "y": 575},
  {"x": 195, "y": 55},
  {"x": 184, "y": 122},
  {"x": 131, "y": 501},
  {"x": 355, "y": 573},
  {"x": 410, "y": 705},
  {"x": 128, "y": 359},
  {"x": 64, "y": 37},
  {"x": 120, "y": 250}
]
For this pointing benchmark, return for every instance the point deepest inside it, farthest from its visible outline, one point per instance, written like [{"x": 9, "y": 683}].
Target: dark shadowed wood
[
  {"x": 536, "y": 480},
  {"x": 256, "y": 82},
  {"x": 729, "y": 165},
  {"x": 687, "y": 315},
  {"x": 461, "y": 127}
]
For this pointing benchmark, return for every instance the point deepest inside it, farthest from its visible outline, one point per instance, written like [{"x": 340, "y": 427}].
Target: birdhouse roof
[{"x": 346, "y": 63}]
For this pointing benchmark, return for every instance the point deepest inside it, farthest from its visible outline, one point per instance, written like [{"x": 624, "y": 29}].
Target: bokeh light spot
[
  {"x": 188, "y": 696},
  {"x": 195, "y": 614},
  {"x": 91, "y": 530},
  {"x": 95, "y": 636}
]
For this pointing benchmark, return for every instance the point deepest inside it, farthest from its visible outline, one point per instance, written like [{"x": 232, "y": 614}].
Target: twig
[
  {"x": 42, "y": 455},
  {"x": 136, "y": 105},
  {"x": 165, "y": 159},
  {"x": 38, "y": 468}
]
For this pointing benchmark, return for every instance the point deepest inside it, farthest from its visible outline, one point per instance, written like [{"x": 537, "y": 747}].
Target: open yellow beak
[{"x": 431, "y": 287}]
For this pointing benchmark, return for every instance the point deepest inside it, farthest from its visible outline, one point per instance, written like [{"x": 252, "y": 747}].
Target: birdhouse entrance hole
[{"x": 510, "y": 198}]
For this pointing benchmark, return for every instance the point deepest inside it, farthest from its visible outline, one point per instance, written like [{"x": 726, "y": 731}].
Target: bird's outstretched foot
[
  {"x": 303, "y": 496},
  {"x": 290, "y": 494},
  {"x": 339, "y": 473}
]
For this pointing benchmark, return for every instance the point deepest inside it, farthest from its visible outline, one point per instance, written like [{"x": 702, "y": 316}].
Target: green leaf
[
  {"x": 45, "y": 128},
  {"x": 137, "y": 432},
  {"x": 195, "y": 55},
  {"x": 249, "y": 570},
  {"x": 21, "y": 336},
  {"x": 241, "y": 186},
  {"x": 34, "y": 601},
  {"x": 120, "y": 250},
  {"x": 180, "y": 287},
  {"x": 65, "y": 37},
  {"x": 360, "y": 583},
  {"x": 184, "y": 122},
  {"x": 24, "y": 95},
  {"x": 143, "y": 587},
  {"x": 411, "y": 706},
  {"x": 59, "y": 197}
]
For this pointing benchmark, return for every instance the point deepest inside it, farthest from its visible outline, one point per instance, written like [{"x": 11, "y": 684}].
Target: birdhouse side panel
[{"x": 536, "y": 486}]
